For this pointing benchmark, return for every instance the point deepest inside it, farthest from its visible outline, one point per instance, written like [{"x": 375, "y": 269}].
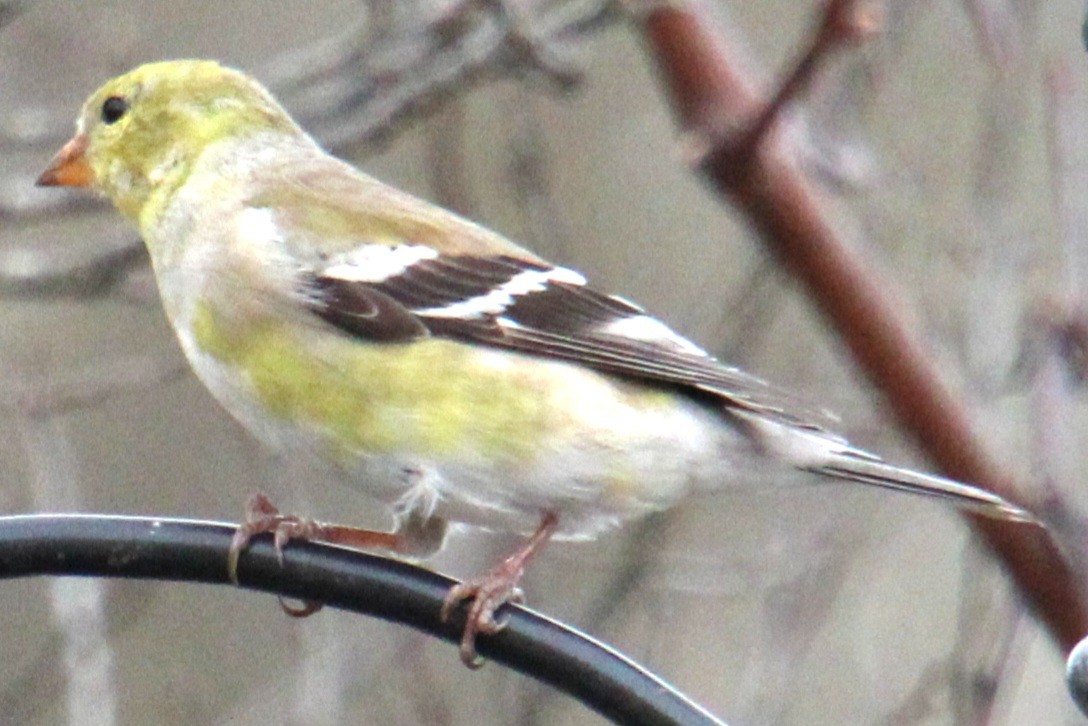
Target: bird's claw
[
  {"x": 308, "y": 608},
  {"x": 262, "y": 517},
  {"x": 493, "y": 590},
  {"x": 488, "y": 594}
]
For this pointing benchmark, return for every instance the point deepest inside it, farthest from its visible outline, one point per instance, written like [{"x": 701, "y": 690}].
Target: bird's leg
[
  {"x": 493, "y": 590},
  {"x": 261, "y": 516}
]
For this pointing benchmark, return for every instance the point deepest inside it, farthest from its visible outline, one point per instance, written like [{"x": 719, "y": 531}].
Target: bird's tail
[
  {"x": 822, "y": 453},
  {"x": 876, "y": 472}
]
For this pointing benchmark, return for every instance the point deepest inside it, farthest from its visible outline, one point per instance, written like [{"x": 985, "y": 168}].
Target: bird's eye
[{"x": 113, "y": 108}]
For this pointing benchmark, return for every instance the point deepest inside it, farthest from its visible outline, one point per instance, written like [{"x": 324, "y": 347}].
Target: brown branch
[
  {"x": 709, "y": 95},
  {"x": 844, "y": 23}
]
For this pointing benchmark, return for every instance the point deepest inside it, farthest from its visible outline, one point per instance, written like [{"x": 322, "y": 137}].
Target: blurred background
[{"x": 951, "y": 149}]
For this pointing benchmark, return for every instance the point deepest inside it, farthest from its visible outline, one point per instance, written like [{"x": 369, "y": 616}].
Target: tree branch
[{"x": 710, "y": 96}]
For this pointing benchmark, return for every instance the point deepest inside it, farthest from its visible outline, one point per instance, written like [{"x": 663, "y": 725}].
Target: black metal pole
[{"x": 196, "y": 551}]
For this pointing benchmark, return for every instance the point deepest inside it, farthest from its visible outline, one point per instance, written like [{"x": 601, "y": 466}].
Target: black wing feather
[{"x": 365, "y": 312}]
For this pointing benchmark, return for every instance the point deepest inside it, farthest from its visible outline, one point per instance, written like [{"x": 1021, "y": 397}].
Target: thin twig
[{"x": 843, "y": 23}]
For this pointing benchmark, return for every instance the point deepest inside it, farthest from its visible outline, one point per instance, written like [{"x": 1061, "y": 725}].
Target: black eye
[{"x": 113, "y": 109}]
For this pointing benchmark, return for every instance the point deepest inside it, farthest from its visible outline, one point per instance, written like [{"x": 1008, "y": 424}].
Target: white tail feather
[
  {"x": 963, "y": 496},
  {"x": 826, "y": 454}
]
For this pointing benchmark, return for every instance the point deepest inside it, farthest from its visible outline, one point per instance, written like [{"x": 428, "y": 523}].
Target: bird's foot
[
  {"x": 492, "y": 591},
  {"x": 262, "y": 517},
  {"x": 488, "y": 594}
]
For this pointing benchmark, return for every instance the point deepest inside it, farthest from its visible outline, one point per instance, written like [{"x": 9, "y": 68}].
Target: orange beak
[{"x": 69, "y": 168}]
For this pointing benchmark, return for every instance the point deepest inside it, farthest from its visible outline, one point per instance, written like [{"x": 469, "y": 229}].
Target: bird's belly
[{"x": 489, "y": 438}]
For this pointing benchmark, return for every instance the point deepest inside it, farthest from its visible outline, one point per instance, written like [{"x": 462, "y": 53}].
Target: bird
[{"x": 449, "y": 373}]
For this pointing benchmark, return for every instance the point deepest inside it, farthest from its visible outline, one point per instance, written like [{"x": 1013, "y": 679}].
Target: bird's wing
[
  {"x": 376, "y": 276},
  {"x": 399, "y": 293}
]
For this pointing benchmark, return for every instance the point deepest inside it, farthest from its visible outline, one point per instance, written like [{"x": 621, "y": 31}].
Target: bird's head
[{"x": 141, "y": 132}]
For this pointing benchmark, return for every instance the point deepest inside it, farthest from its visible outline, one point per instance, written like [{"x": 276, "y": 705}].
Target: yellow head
[{"x": 140, "y": 133}]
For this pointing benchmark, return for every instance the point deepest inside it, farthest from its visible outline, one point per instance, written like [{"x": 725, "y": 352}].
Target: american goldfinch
[{"x": 443, "y": 369}]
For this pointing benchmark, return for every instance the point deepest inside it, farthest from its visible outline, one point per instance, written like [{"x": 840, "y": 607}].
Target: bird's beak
[{"x": 69, "y": 168}]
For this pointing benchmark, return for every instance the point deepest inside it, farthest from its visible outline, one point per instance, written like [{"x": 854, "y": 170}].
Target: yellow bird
[{"x": 439, "y": 367}]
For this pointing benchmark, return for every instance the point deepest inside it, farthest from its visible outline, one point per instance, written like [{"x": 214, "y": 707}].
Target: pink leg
[
  {"x": 496, "y": 588},
  {"x": 261, "y": 517}
]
